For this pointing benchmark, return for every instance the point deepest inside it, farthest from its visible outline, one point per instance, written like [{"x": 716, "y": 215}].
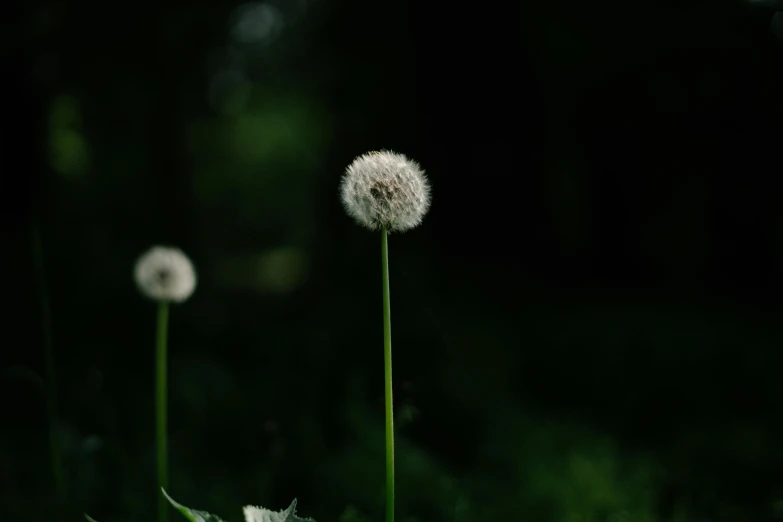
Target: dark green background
[{"x": 587, "y": 326}]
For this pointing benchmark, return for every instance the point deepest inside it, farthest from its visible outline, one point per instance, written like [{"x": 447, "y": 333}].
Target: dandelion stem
[
  {"x": 160, "y": 403},
  {"x": 51, "y": 384},
  {"x": 387, "y": 362}
]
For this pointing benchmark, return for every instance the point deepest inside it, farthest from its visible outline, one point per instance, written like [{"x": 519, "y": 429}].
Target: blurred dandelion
[{"x": 166, "y": 275}]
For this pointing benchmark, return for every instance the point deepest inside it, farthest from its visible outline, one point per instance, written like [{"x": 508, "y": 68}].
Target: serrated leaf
[
  {"x": 89, "y": 518},
  {"x": 259, "y": 514},
  {"x": 191, "y": 514}
]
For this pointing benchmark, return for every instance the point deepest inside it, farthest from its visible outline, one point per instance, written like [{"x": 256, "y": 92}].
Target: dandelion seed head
[
  {"x": 385, "y": 189},
  {"x": 165, "y": 274}
]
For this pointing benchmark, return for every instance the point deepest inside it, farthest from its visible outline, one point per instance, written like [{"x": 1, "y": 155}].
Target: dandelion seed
[
  {"x": 383, "y": 189},
  {"x": 165, "y": 274}
]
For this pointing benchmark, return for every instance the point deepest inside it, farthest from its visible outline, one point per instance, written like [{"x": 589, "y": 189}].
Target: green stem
[
  {"x": 51, "y": 384},
  {"x": 160, "y": 403},
  {"x": 387, "y": 363}
]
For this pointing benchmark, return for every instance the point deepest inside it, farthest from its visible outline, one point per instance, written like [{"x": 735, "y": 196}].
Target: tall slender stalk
[
  {"x": 51, "y": 384},
  {"x": 387, "y": 363},
  {"x": 387, "y": 189},
  {"x": 165, "y": 275},
  {"x": 160, "y": 407}
]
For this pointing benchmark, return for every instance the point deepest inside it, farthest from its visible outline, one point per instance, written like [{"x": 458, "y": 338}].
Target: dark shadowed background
[{"x": 587, "y": 327}]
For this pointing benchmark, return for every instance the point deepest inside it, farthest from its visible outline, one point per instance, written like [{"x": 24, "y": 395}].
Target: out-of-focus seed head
[
  {"x": 165, "y": 274},
  {"x": 385, "y": 189}
]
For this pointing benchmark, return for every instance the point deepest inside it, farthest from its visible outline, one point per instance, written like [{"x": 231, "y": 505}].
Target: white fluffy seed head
[
  {"x": 165, "y": 274},
  {"x": 385, "y": 189}
]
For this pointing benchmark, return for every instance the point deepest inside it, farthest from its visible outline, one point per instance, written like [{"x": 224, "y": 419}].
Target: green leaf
[
  {"x": 191, "y": 514},
  {"x": 259, "y": 514},
  {"x": 89, "y": 518}
]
